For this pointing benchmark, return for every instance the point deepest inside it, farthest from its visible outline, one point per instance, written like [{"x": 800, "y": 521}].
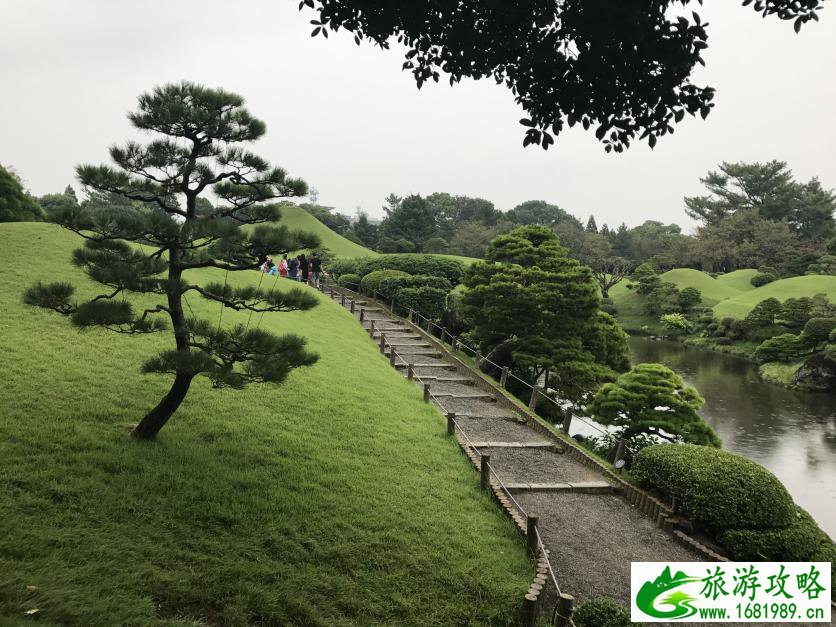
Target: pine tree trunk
[{"x": 155, "y": 419}]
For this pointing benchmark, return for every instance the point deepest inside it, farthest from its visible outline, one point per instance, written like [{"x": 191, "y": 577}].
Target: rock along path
[{"x": 591, "y": 532}]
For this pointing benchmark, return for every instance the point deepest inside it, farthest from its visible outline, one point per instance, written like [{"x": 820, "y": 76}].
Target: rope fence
[{"x": 562, "y": 611}]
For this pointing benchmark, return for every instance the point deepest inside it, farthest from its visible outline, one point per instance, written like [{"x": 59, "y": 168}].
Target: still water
[{"x": 792, "y": 434}]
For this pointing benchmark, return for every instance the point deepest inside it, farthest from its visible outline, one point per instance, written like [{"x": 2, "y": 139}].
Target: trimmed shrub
[
  {"x": 762, "y": 278},
  {"x": 345, "y": 266},
  {"x": 601, "y": 612},
  {"x": 797, "y": 542},
  {"x": 818, "y": 330},
  {"x": 371, "y": 282},
  {"x": 785, "y": 347},
  {"x": 351, "y": 281},
  {"x": 390, "y": 287},
  {"x": 450, "y": 269},
  {"x": 428, "y": 301},
  {"x": 716, "y": 489}
]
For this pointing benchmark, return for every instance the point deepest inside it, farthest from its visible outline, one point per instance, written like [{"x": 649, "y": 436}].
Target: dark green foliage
[
  {"x": 799, "y": 541},
  {"x": 370, "y": 283},
  {"x": 601, "y": 612},
  {"x": 435, "y": 245},
  {"x": 15, "y": 204},
  {"x": 428, "y": 301},
  {"x": 795, "y": 312},
  {"x": 552, "y": 57},
  {"x": 715, "y": 488},
  {"x": 764, "y": 314},
  {"x": 785, "y": 347},
  {"x": 539, "y": 307},
  {"x": 351, "y": 281},
  {"x": 450, "y": 269},
  {"x": 366, "y": 231},
  {"x": 644, "y": 279},
  {"x": 337, "y": 222},
  {"x": 817, "y": 331},
  {"x": 543, "y": 213},
  {"x": 662, "y": 299},
  {"x": 351, "y": 236},
  {"x": 607, "y": 342},
  {"x": 762, "y": 278},
  {"x": 391, "y": 286},
  {"x": 652, "y": 399},
  {"x": 688, "y": 298},
  {"x": 152, "y": 199},
  {"x": 412, "y": 219}
]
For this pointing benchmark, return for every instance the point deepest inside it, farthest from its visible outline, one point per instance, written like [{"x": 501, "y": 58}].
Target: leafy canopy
[{"x": 622, "y": 68}]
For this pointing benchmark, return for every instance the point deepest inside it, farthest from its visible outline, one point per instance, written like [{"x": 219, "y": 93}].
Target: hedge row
[
  {"x": 370, "y": 283},
  {"x": 798, "y": 542},
  {"x": 391, "y": 287},
  {"x": 601, "y": 612},
  {"x": 716, "y": 489},
  {"x": 432, "y": 265}
]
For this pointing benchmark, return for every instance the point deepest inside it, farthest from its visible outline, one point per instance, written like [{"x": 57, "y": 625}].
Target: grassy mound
[
  {"x": 795, "y": 287},
  {"x": 296, "y": 218},
  {"x": 712, "y": 290},
  {"x": 335, "y": 498},
  {"x": 741, "y": 280}
]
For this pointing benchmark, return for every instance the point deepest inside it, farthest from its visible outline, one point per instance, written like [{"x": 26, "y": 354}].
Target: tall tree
[
  {"x": 538, "y": 305},
  {"x": 771, "y": 190},
  {"x": 622, "y": 68},
  {"x": 15, "y": 204},
  {"x": 591, "y": 226},
  {"x": 541, "y": 212},
  {"x": 365, "y": 230},
  {"x": 412, "y": 219},
  {"x": 198, "y": 150}
]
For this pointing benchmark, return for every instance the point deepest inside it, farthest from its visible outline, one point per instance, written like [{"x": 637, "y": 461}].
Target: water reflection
[{"x": 792, "y": 434}]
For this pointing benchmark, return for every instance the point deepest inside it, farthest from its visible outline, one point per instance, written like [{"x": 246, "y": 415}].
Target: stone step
[
  {"x": 475, "y": 397},
  {"x": 536, "y": 444},
  {"x": 586, "y": 487},
  {"x": 417, "y": 365},
  {"x": 419, "y": 345},
  {"x": 517, "y": 419},
  {"x": 434, "y": 379}
]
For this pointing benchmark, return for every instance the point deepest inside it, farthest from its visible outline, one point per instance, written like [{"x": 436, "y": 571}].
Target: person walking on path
[
  {"x": 316, "y": 269},
  {"x": 283, "y": 266},
  {"x": 304, "y": 267},
  {"x": 293, "y": 269}
]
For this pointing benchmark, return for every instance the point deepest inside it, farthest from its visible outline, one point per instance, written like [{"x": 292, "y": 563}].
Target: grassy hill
[
  {"x": 334, "y": 499},
  {"x": 713, "y": 290},
  {"x": 741, "y": 280},
  {"x": 783, "y": 289},
  {"x": 297, "y": 219}
]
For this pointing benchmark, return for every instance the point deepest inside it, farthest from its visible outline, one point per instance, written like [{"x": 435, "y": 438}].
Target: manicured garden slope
[
  {"x": 741, "y": 280},
  {"x": 335, "y": 498},
  {"x": 297, "y": 219},
  {"x": 712, "y": 290},
  {"x": 794, "y": 287}
]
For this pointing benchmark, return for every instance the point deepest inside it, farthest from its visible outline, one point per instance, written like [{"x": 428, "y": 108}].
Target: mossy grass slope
[
  {"x": 334, "y": 499},
  {"x": 297, "y": 219},
  {"x": 794, "y": 287}
]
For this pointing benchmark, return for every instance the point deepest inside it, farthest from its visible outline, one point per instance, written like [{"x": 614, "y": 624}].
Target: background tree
[
  {"x": 566, "y": 62},
  {"x": 15, "y": 204},
  {"x": 366, "y": 231},
  {"x": 413, "y": 219},
  {"x": 654, "y": 400},
  {"x": 591, "y": 226},
  {"x": 541, "y": 212},
  {"x": 198, "y": 151}
]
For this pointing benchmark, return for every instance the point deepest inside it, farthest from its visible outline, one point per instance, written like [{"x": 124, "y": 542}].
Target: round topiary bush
[
  {"x": 601, "y": 612},
  {"x": 390, "y": 287},
  {"x": 715, "y": 488},
  {"x": 798, "y": 542},
  {"x": 371, "y": 282},
  {"x": 351, "y": 281},
  {"x": 762, "y": 278}
]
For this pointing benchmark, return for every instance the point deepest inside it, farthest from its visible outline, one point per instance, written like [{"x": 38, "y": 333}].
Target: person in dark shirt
[
  {"x": 304, "y": 268},
  {"x": 293, "y": 269},
  {"x": 316, "y": 269}
]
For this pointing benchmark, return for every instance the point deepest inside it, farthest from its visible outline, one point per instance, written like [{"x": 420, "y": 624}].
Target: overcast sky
[{"x": 350, "y": 122}]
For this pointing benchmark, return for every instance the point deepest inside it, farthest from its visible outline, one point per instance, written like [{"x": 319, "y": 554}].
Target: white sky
[{"x": 350, "y": 122}]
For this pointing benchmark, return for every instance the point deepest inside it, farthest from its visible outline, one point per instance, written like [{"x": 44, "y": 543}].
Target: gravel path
[
  {"x": 538, "y": 465},
  {"x": 494, "y": 430},
  {"x": 593, "y": 538}
]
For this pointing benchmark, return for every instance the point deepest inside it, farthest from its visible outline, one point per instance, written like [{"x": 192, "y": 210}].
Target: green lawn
[
  {"x": 297, "y": 219},
  {"x": 741, "y": 280},
  {"x": 794, "y": 287},
  {"x": 333, "y": 499},
  {"x": 713, "y": 290}
]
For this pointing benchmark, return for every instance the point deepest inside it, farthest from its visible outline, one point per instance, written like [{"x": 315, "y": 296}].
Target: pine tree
[
  {"x": 197, "y": 152},
  {"x": 591, "y": 226},
  {"x": 653, "y": 399}
]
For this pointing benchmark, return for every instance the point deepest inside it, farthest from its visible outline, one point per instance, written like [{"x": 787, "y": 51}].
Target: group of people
[{"x": 298, "y": 268}]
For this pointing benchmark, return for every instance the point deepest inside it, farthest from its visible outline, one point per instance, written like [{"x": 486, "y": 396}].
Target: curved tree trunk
[{"x": 155, "y": 419}]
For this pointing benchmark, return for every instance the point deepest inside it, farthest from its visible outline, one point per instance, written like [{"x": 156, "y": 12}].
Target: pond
[{"x": 793, "y": 434}]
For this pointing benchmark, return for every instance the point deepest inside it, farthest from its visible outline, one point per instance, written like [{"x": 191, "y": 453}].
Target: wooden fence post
[
  {"x": 352, "y": 305},
  {"x": 382, "y": 343},
  {"x": 531, "y": 534},
  {"x": 342, "y": 300},
  {"x": 567, "y": 421},
  {"x": 565, "y": 607},
  {"x": 410, "y": 371},
  {"x": 426, "y": 392},
  {"x": 529, "y": 610},
  {"x": 503, "y": 379},
  {"x": 485, "y": 472},
  {"x": 454, "y": 343},
  {"x": 362, "y": 314},
  {"x": 392, "y": 356},
  {"x": 532, "y": 402},
  {"x": 451, "y": 423},
  {"x": 619, "y": 450},
  {"x": 371, "y": 329}
]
